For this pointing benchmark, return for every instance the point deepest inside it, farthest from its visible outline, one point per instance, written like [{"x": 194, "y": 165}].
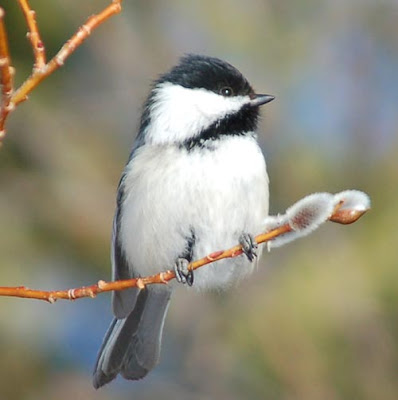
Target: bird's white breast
[{"x": 170, "y": 193}]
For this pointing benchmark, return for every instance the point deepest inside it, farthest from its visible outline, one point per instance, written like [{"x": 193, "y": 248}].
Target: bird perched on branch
[{"x": 195, "y": 182}]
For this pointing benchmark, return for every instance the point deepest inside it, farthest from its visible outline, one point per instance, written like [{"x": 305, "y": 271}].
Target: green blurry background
[{"x": 319, "y": 319}]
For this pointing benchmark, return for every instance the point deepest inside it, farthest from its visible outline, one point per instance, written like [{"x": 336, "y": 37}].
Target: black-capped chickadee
[{"x": 195, "y": 182}]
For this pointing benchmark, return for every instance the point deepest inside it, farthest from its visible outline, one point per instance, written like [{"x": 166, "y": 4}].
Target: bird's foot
[
  {"x": 249, "y": 245},
  {"x": 183, "y": 274}
]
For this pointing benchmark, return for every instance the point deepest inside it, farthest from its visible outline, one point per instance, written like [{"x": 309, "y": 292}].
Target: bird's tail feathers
[{"x": 131, "y": 345}]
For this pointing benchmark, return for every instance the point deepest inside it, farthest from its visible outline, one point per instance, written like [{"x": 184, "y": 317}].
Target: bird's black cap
[{"x": 198, "y": 71}]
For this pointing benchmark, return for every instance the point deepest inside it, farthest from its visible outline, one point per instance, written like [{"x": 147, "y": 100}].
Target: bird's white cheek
[
  {"x": 179, "y": 113},
  {"x": 213, "y": 107}
]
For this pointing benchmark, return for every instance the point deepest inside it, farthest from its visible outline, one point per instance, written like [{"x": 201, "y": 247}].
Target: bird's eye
[{"x": 226, "y": 91}]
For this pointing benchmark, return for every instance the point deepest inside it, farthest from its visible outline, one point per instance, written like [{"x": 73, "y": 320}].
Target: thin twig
[
  {"x": 66, "y": 50},
  {"x": 33, "y": 35},
  {"x": 6, "y": 76},
  {"x": 41, "y": 70},
  {"x": 162, "y": 277}
]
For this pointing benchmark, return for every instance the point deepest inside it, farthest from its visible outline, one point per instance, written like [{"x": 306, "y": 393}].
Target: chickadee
[{"x": 195, "y": 182}]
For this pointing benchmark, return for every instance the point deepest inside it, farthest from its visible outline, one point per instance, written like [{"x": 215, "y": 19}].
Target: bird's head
[{"x": 201, "y": 97}]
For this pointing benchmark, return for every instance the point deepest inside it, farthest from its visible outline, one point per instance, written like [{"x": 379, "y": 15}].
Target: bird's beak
[{"x": 260, "y": 99}]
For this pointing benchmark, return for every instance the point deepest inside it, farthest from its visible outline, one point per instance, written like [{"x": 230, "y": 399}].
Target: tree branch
[
  {"x": 6, "y": 76},
  {"x": 303, "y": 217},
  {"x": 33, "y": 35},
  {"x": 41, "y": 69}
]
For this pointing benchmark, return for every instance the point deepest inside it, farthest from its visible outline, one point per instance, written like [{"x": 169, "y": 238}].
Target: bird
[{"x": 195, "y": 182}]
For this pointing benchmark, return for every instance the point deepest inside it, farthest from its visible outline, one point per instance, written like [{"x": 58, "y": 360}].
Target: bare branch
[
  {"x": 302, "y": 207},
  {"x": 33, "y": 35},
  {"x": 41, "y": 69},
  {"x": 6, "y": 76}
]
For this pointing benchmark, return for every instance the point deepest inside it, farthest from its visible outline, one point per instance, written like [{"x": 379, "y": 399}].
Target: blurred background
[{"x": 319, "y": 319}]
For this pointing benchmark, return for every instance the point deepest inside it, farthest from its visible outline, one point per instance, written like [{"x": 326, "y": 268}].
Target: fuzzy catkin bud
[
  {"x": 354, "y": 200},
  {"x": 303, "y": 217}
]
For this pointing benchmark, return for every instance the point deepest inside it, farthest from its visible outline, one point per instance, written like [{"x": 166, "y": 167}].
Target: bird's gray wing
[{"x": 123, "y": 301}]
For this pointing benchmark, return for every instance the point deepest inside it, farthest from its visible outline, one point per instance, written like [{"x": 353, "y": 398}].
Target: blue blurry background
[{"x": 319, "y": 319}]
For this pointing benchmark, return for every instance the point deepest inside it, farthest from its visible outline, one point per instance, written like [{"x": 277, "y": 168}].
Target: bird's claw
[
  {"x": 249, "y": 246},
  {"x": 183, "y": 274}
]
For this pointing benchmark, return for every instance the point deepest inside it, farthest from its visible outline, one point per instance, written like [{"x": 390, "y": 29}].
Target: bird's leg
[
  {"x": 183, "y": 274},
  {"x": 249, "y": 245}
]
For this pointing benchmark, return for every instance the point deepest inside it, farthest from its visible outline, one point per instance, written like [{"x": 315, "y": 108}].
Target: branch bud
[{"x": 303, "y": 217}]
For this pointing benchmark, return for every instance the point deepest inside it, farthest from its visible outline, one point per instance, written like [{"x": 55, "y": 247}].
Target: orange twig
[
  {"x": 162, "y": 277},
  {"x": 66, "y": 50},
  {"x": 41, "y": 69},
  {"x": 6, "y": 76},
  {"x": 34, "y": 35}
]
